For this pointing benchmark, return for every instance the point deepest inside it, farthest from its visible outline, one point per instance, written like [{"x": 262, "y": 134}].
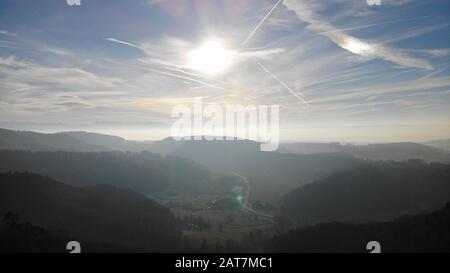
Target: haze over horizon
[
  {"x": 159, "y": 135},
  {"x": 366, "y": 73}
]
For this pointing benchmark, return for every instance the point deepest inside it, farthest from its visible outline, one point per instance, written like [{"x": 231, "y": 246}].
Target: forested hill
[
  {"x": 100, "y": 214},
  {"x": 143, "y": 172},
  {"x": 374, "y": 192},
  {"x": 421, "y": 233}
]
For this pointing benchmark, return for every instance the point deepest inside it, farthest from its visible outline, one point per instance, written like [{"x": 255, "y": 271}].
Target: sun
[{"x": 210, "y": 58}]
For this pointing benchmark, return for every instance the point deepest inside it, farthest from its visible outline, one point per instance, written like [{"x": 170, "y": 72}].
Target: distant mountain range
[
  {"x": 31, "y": 141},
  {"x": 272, "y": 174},
  {"x": 433, "y": 151},
  {"x": 383, "y": 151},
  {"x": 443, "y": 144},
  {"x": 67, "y": 141}
]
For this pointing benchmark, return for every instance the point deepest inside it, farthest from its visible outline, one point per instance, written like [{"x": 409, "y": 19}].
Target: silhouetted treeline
[
  {"x": 99, "y": 214},
  {"x": 374, "y": 192},
  {"x": 421, "y": 233},
  {"x": 143, "y": 172},
  {"x": 18, "y": 236}
]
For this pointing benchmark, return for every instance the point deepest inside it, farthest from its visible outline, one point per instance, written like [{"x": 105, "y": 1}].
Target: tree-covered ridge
[
  {"x": 21, "y": 236},
  {"x": 421, "y": 233},
  {"x": 142, "y": 172},
  {"x": 374, "y": 192},
  {"x": 97, "y": 214}
]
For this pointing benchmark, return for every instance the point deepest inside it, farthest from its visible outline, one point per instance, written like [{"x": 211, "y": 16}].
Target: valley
[{"x": 217, "y": 196}]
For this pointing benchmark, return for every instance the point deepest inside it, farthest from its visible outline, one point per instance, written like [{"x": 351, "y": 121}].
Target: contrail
[
  {"x": 185, "y": 78},
  {"x": 283, "y": 84},
  {"x": 260, "y": 23},
  {"x": 177, "y": 76},
  {"x": 374, "y": 25},
  {"x": 191, "y": 74},
  {"x": 162, "y": 72},
  {"x": 123, "y": 43}
]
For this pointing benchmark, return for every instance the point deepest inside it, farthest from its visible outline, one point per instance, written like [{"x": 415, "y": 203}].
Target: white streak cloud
[
  {"x": 306, "y": 11},
  {"x": 123, "y": 43}
]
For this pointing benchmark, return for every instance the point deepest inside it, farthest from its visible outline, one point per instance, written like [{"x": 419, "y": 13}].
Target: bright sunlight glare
[{"x": 210, "y": 58}]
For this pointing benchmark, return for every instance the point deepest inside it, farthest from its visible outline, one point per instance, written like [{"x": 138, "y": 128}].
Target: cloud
[
  {"x": 388, "y": 89},
  {"x": 439, "y": 52},
  {"x": 87, "y": 85},
  {"x": 123, "y": 43},
  {"x": 5, "y": 32},
  {"x": 396, "y": 2},
  {"x": 307, "y": 10}
]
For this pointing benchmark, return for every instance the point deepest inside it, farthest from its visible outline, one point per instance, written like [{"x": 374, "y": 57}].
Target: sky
[{"x": 340, "y": 70}]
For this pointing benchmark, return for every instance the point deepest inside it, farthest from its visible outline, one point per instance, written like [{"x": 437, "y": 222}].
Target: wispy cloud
[
  {"x": 123, "y": 43},
  {"x": 6, "y": 32},
  {"x": 307, "y": 12}
]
